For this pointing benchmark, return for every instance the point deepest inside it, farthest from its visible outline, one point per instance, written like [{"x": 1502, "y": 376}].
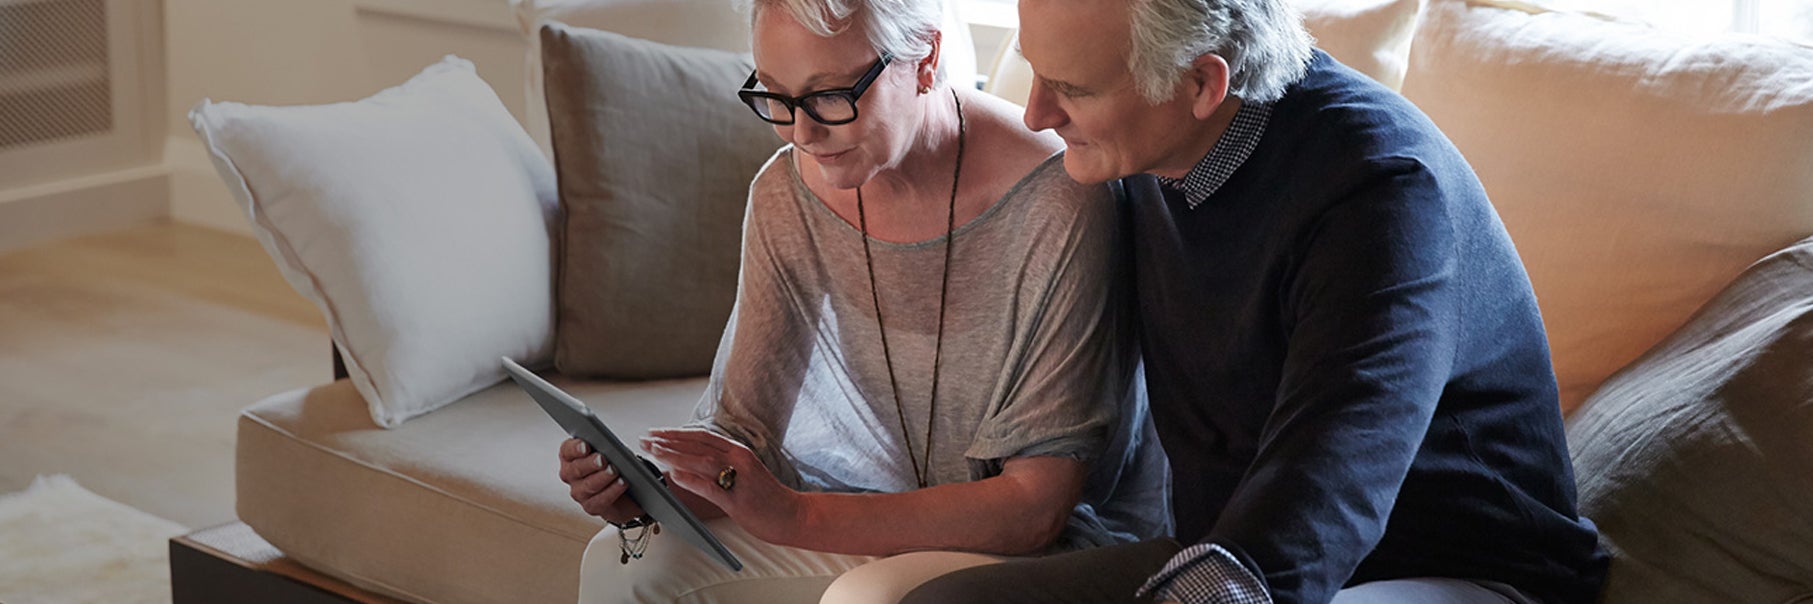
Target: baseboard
[
  {"x": 185, "y": 187},
  {"x": 197, "y": 195},
  {"x": 81, "y": 206}
]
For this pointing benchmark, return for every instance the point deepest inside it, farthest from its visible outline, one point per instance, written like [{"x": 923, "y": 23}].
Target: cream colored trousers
[{"x": 671, "y": 571}]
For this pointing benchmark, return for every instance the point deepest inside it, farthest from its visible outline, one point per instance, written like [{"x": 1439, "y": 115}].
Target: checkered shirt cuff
[{"x": 1206, "y": 574}]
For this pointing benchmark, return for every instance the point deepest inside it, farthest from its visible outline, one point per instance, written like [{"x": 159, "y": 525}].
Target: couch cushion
[
  {"x": 655, "y": 155},
  {"x": 1371, "y": 36},
  {"x": 462, "y": 505},
  {"x": 1637, "y": 171},
  {"x": 1696, "y": 460},
  {"x": 700, "y": 23},
  {"x": 418, "y": 220}
]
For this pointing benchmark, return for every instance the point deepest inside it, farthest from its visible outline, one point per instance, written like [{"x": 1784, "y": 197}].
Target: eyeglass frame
[{"x": 794, "y": 104}]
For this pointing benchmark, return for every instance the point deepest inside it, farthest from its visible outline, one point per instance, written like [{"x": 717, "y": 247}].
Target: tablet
[{"x": 645, "y": 486}]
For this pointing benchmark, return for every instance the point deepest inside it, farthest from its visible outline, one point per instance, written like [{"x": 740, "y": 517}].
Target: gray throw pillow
[
  {"x": 654, "y": 154},
  {"x": 1696, "y": 461}
]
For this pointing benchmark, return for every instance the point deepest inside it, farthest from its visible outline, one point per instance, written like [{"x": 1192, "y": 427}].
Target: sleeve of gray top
[
  {"x": 1073, "y": 360},
  {"x": 762, "y": 356}
]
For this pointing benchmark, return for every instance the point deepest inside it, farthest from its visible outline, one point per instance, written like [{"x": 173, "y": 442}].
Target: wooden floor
[{"x": 125, "y": 357}]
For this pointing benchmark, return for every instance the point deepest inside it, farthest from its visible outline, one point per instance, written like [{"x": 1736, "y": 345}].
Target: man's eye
[{"x": 1068, "y": 92}]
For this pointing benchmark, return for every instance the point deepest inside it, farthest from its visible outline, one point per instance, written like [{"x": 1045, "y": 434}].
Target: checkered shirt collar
[{"x": 1229, "y": 152}]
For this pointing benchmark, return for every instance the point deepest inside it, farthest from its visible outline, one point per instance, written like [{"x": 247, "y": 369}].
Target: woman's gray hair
[
  {"x": 901, "y": 28},
  {"x": 1263, "y": 41}
]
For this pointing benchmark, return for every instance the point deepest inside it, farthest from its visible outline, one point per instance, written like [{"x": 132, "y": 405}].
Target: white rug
[{"x": 60, "y": 543}]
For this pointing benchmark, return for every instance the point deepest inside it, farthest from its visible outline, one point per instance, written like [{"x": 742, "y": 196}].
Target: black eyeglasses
[{"x": 828, "y": 107}]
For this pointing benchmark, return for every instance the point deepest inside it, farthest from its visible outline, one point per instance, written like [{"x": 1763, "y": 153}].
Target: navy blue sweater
[{"x": 1346, "y": 362}]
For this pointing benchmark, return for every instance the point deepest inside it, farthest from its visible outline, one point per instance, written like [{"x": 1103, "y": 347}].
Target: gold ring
[{"x": 727, "y": 478}]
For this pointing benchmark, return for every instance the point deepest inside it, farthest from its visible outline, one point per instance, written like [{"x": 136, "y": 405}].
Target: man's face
[{"x": 1083, "y": 91}]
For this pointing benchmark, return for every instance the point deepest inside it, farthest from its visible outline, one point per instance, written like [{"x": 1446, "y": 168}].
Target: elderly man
[{"x": 1345, "y": 359}]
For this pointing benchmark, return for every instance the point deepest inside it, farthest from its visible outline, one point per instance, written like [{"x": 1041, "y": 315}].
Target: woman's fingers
[
  {"x": 589, "y": 485},
  {"x": 603, "y": 501},
  {"x": 611, "y": 504},
  {"x": 682, "y": 446},
  {"x": 573, "y": 448},
  {"x": 579, "y": 469},
  {"x": 594, "y": 484},
  {"x": 682, "y": 457},
  {"x": 697, "y": 436},
  {"x": 698, "y": 484}
]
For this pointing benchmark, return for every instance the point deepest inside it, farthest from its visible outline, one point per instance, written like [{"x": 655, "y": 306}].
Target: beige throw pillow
[
  {"x": 655, "y": 154},
  {"x": 1637, "y": 171},
  {"x": 1696, "y": 461}
]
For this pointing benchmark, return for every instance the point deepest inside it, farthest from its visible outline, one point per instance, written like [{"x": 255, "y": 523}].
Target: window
[{"x": 1791, "y": 19}]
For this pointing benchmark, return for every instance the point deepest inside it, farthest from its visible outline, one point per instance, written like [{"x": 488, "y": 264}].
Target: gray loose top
[{"x": 1039, "y": 356}]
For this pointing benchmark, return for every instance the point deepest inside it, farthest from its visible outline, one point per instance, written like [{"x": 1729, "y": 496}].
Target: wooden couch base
[{"x": 231, "y": 563}]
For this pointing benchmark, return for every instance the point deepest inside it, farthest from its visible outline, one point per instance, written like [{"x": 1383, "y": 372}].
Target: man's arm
[{"x": 1371, "y": 310}]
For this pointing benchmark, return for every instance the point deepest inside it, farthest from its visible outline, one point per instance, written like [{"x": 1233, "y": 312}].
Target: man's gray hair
[
  {"x": 1263, "y": 41},
  {"x": 901, "y": 28}
]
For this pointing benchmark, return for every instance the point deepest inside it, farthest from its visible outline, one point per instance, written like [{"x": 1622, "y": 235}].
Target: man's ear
[
  {"x": 1208, "y": 85},
  {"x": 928, "y": 66}
]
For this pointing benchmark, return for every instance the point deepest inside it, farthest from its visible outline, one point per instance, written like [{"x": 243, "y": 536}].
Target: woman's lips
[{"x": 827, "y": 158}]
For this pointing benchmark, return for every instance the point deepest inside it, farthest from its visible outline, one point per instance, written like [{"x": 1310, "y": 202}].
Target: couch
[{"x": 1639, "y": 173}]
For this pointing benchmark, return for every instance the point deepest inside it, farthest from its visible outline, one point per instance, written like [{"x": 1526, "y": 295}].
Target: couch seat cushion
[{"x": 461, "y": 505}]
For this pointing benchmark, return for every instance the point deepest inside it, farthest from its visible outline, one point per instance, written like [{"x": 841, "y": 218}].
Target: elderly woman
[{"x": 931, "y": 350}]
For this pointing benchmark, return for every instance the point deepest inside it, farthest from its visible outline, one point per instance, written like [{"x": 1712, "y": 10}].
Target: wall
[
  {"x": 278, "y": 52},
  {"x": 105, "y": 179},
  {"x": 319, "y": 51},
  {"x": 275, "y": 52},
  {"x": 286, "y": 52}
]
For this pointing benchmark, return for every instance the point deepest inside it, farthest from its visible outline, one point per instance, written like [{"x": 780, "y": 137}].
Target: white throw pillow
[
  {"x": 418, "y": 220},
  {"x": 1638, "y": 171},
  {"x": 1371, "y": 36}
]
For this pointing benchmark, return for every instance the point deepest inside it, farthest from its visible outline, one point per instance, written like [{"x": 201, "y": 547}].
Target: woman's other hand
[
  {"x": 699, "y": 458},
  {"x": 594, "y": 484}
]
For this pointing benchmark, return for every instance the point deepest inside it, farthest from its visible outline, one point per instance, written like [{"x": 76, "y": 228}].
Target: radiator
[{"x": 55, "y": 80}]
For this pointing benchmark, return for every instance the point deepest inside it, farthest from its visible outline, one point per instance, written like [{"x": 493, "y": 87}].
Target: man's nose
[{"x": 1042, "y": 110}]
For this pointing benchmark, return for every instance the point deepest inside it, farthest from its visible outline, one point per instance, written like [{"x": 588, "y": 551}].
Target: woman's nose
[{"x": 804, "y": 130}]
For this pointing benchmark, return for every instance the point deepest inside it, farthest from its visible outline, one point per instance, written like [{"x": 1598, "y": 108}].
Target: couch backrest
[{"x": 1637, "y": 171}]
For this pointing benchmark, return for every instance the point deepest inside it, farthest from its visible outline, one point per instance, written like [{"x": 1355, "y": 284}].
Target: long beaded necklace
[{"x": 950, "y": 224}]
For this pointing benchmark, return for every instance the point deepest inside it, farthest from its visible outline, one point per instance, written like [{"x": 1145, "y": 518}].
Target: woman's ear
[
  {"x": 1208, "y": 85},
  {"x": 928, "y": 67}
]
